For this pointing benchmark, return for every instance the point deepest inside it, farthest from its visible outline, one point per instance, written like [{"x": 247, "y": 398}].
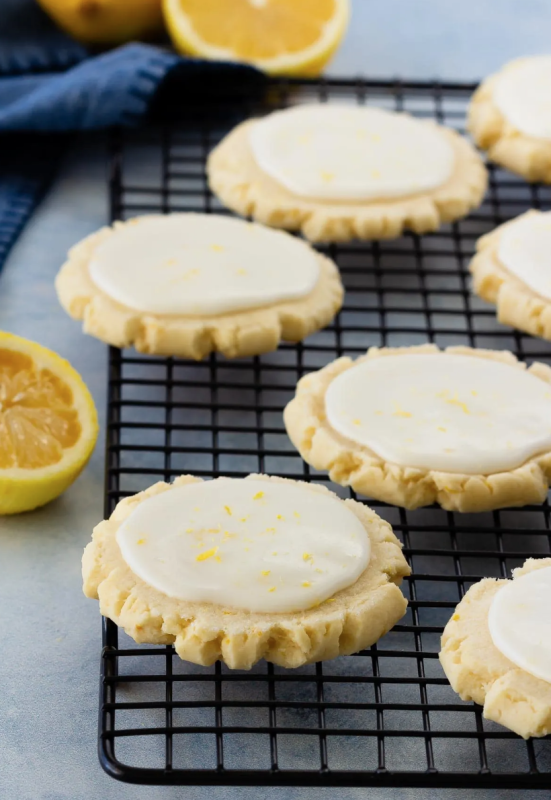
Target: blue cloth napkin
[
  {"x": 49, "y": 85},
  {"x": 110, "y": 89},
  {"x": 30, "y": 42}
]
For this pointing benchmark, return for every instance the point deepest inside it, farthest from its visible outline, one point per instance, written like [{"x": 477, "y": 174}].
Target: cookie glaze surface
[
  {"x": 257, "y": 545},
  {"x": 520, "y": 623},
  {"x": 454, "y": 413},
  {"x": 524, "y": 249},
  {"x": 335, "y": 152},
  {"x": 523, "y": 95},
  {"x": 199, "y": 264}
]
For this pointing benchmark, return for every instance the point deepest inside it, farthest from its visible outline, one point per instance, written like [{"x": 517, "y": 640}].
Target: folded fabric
[
  {"x": 110, "y": 89},
  {"x": 38, "y": 93},
  {"x": 26, "y": 167},
  {"x": 114, "y": 88},
  {"x": 30, "y": 42}
]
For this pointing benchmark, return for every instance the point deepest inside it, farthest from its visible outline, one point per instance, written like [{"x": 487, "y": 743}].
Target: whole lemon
[{"x": 107, "y": 22}]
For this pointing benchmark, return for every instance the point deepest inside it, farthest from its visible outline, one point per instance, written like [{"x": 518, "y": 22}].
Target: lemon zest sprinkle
[
  {"x": 227, "y": 509},
  {"x": 272, "y": 589},
  {"x": 453, "y": 401},
  {"x": 265, "y": 572},
  {"x": 140, "y": 541},
  {"x": 207, "y": 554},
  {"x": 306, "y": 584},
  {"x": 400, "y": 412},
  {"x": 307, "y": 557},
  {"x": 258, "y": 496}
]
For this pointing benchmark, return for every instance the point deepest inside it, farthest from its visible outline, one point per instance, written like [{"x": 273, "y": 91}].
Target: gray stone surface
[{"x": 50, "y": 634}]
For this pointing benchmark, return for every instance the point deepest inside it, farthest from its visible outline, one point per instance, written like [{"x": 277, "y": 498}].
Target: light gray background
[{"x": 49, "y": 634}]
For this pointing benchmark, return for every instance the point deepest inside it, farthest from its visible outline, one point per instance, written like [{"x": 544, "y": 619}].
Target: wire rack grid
[{"x": 387, "y": 716}]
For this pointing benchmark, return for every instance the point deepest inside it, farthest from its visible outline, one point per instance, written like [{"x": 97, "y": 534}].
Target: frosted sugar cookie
[
  {"x": 512, "y": 270},
  {"x": 510, "y": 117},
  {"x": 468, "y": 429},
  {"x": 240, "y": 570},
  {"x": 190, "y": 284},
  {"x": 496, "y": 648},
  {"x": 338, "y": 172}
]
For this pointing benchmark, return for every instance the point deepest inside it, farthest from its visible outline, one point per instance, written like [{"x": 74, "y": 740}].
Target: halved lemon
[
  {"x": 107, "y": 22},
  {"x": 280, "y": 37},
  {"x": 48, "y": 424}
]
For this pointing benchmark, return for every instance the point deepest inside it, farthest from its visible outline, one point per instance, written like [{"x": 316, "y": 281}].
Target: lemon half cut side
[
  {"x": 48, "y": 424},
  {"x": 280, "y": 37}
]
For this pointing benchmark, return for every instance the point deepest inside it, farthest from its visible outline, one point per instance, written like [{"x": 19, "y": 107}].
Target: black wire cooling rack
[{"x": 387, "y": 716}]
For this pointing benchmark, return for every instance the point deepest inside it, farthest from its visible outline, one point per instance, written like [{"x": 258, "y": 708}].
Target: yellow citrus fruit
[
  {"x": 107, "y": 22},
  {"x": 280, "y": 37},
  {"x": 48, "y": 424}
]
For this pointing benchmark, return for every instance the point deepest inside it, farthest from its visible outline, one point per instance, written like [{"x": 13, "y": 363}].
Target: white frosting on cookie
[
  {"x": 520, "y": 622},
  {"x": 202, "y": 264},
  {"x": 256, "y": 545},
  {"x": 524, "y": 249},
  {"x": 522, "y": 92},
  {"x": 334, "y": 152},
  {"x": 447, "y": 412}
]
